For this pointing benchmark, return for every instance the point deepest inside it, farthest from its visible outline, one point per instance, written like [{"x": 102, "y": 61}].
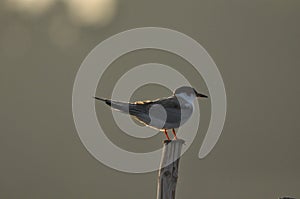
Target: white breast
[
  {"x": 186, "y": 100},
  {"x": 187, "y": 106}
]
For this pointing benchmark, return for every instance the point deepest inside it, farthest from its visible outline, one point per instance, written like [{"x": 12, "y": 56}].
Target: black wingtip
[
  {"x": 107, "y": 101},
  {"x": 98, "y": 98}
]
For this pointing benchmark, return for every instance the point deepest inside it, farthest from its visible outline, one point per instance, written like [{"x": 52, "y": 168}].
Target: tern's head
[{"x": 188, "y": 93}]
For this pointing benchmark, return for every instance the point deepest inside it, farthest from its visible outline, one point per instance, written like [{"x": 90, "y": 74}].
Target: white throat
[{"x": 188, "y": 98}]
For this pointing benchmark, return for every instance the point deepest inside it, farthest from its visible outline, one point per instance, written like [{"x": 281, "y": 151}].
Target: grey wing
[
  {"x": 141, "y": 111},
  {"x": 165, "y": 110},
  {"x": 173, "y": 110},
  {"x": 161, "y": 110},
  {"x": 138, "y": 109}
]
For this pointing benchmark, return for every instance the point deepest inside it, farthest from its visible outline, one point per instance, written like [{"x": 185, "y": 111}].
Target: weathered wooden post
[{"x": 168, "y": 172}]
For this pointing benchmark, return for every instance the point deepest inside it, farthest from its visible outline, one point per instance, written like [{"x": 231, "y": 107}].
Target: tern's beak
[{"x": 200, "y": 95}]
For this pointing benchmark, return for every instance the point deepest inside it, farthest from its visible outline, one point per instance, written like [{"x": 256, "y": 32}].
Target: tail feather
[{"x": 120, "y": 106}]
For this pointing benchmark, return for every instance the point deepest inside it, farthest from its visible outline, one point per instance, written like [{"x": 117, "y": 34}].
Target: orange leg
[
  {"x": 166, "y": 133},
  {"x": 174, "y": 133}
]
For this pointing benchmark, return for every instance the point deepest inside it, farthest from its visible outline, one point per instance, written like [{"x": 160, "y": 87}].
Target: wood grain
[{"x": 168, "y": 172}]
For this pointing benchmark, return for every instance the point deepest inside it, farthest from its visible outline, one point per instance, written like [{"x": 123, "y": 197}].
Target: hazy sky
[{"x": 255, "y": 45}]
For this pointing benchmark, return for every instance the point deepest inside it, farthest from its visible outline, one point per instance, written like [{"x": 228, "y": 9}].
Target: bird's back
[{"x": 165, "y": 113}]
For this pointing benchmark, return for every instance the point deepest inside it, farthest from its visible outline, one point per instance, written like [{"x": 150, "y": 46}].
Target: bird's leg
[
  {"x": 174, "y": 133},
  {"x": 166, "y": 133}
]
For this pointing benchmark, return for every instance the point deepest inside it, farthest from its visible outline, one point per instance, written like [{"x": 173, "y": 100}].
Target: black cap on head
[{"x": 189, "y": 91}]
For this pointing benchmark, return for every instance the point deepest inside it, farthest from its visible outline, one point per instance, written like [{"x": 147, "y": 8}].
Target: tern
[{"x": 162, "y": 114}]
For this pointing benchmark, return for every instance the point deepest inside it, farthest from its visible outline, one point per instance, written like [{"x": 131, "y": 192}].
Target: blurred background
[{"x": 255, "y": 45}]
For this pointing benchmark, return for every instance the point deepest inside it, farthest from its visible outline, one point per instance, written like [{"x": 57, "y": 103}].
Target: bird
[{"x": 162, "y": 114}]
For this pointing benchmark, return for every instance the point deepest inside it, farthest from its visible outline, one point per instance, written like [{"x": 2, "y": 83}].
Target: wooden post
[
  {"x": 286, "y": 198},
  {"x": 168, "y": 172}
]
